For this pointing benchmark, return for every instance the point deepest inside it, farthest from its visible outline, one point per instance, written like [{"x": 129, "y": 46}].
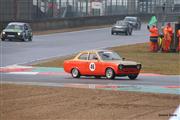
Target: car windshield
[
  {"x": 130, "y": 19},
  {"x": 17, "y": 27},
  {"x": 108, "y": 55}
]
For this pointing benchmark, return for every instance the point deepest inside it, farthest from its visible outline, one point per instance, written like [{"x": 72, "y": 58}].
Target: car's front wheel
[
  {"x": 133, "y": 76},
  {"x": 112, "y": 33},
  {"x": 127, "y": 33},
  {"x": 25, "y": 37},
  {"x": 2, "y": 39},
  {"x": 139, "y": 27},
  {"x": 75, "y": 73},
  {"x": 130, "y": 33},
  {"x": 110, "y": 74}
]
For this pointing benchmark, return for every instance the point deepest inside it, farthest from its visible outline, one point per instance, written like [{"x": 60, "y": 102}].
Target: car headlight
[
  {"x": 3, "y": 33},
  {"x": 138, "y": 66},
  {"x": 120, "y": 67},
  {"x": 19, "y": 33}
]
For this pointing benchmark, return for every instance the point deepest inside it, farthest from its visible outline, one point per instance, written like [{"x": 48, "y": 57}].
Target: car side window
[
  {"x": 93, "y": 56},
  {"x": 25, "y": 27},
  {"x": 28, "y": 26},
  {"x": 83, "y": 56}
]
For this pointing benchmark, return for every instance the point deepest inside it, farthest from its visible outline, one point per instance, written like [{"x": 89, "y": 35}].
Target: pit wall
[{"x": 52, "y": 24}]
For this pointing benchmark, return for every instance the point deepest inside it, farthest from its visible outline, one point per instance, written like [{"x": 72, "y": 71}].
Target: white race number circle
[{"x": 92, "y": 66}]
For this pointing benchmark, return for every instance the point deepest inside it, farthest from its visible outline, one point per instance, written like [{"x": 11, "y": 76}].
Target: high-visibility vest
[
  {"x": 170, "y": 30},
  {"x": 178, "y": 33},
  {"x": 154, "y": 32},
  {"x": 167, "y": 30}
]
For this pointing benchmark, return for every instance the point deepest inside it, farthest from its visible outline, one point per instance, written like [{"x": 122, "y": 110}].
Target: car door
[
  {"x": 94, "y": 65},
  {"x": 82, "y": 63}
]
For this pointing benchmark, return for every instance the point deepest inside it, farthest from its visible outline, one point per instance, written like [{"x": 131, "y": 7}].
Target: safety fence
[{"x": 53, "y": 9}]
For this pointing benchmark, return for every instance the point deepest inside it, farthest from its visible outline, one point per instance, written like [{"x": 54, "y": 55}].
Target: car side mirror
[{"x": 123, "y": 59}]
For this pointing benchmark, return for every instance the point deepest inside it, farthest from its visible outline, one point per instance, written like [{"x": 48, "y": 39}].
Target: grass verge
[{"x": 161, "y": 63}]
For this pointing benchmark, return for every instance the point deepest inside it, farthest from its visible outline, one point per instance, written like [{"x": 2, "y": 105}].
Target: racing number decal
[{"x": 92, "y": 66}]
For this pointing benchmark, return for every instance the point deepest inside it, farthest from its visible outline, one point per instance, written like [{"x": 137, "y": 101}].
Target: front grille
[
  {"x": 130, "y": 66},
  {"x": 11, "y": 33}
]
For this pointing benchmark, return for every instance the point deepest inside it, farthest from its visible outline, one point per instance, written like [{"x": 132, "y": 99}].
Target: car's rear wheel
[
  {"x": 133, "y": 76},
  {"x": 110, "y": 74},
  {"x": 30, "y": 38},
  {"x": 75, "y": 73}
]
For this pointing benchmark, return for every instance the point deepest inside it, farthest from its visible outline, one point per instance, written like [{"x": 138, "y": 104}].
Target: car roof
[
  {"x": 16, "y": 23},
  {"x": 95, "y": 51},
  {"x": 121, "y": 21},
  {"x": 131, "y": 17}
]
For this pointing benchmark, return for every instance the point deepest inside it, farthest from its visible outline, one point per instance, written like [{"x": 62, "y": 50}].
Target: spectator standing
[
  {"x": 168, "y": 34},
  {"x": 178, "y": 35},
  {"x": 153, "y": 38}
]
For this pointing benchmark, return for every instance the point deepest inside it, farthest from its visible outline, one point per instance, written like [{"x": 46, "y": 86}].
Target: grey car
[
  {"x": 134, "y": 21},
  {"x": 122, "y": 27},
  {"x": 17, "y": 31}
]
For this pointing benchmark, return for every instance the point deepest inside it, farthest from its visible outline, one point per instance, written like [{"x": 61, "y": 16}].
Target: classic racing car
[
  {"x": 17, "y": 30},
  {"x": 122, "y": 27},
  {"x": 134, "y": 21},
  {"x": 100, "y": 63}
]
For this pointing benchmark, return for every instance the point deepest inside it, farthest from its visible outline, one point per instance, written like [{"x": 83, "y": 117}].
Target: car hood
[
  {"x": 12, "y": 30},
  {"x": 124, "y": 62},
  {"x": 116, "y": 26}
]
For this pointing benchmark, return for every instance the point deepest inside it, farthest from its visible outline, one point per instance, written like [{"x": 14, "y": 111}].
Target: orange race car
[{"x": 101, "y": 63}]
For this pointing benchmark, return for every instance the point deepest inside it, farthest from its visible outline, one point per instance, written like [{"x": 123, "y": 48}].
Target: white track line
[{"x": 23, "y": 73}]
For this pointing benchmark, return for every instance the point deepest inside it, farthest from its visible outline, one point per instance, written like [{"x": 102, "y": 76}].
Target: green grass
[
  {"x": 54, "y": 62},
  {"x": 161, "y": 63}
]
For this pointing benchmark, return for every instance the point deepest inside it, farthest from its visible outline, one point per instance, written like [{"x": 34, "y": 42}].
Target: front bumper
[
  {"x": 127, "y": 70},
  {"x": 122, "y": 30},
  {"x": 11, "y": 36}
]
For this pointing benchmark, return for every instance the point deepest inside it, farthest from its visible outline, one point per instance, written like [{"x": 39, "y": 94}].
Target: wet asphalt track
[
  {"x": 60, "y": 44},
  {"x": 65, "y": 78}
]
